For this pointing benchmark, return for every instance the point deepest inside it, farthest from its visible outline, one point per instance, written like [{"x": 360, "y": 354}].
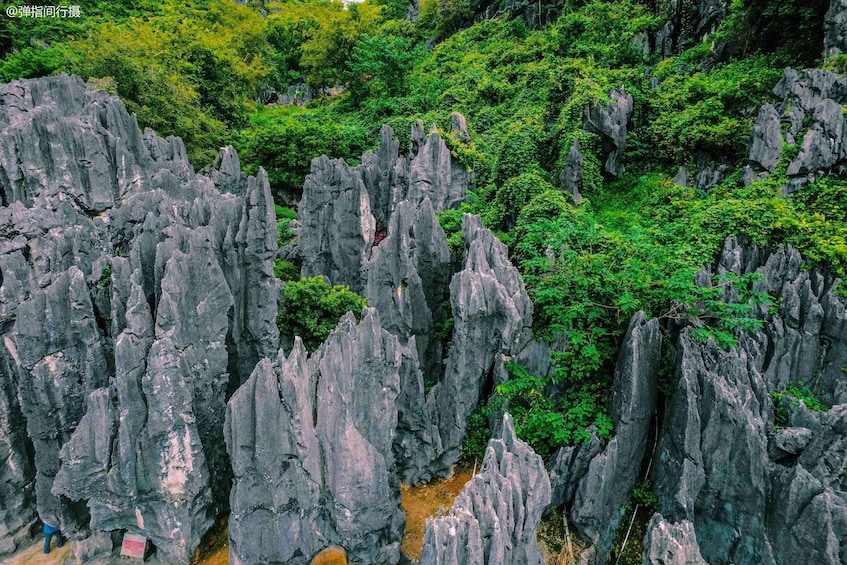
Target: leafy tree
[
  {"x": 286, "y": 139},
  {"x": 311, "y": 308},
  {"x": 329, "y": 44},
  {"x": 515, "y": 194},
  {"x": 185, "y": 71},
  {"x": 379, "y": 66}
]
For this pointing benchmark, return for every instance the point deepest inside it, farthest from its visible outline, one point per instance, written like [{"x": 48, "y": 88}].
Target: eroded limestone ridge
[
  {"x": 495, "y": 517},
  {"x": 809, "y": 120},
  {"x": 742, "y": 475},
  {"x": 760, "y": 477},
  {"x": 310, "y": 438},
  {"x": 594, "y": 481},
  {"x": 345, "y": 211},
  {"x": 374, "y": 227},
  {"x": 134, "y": 293}
]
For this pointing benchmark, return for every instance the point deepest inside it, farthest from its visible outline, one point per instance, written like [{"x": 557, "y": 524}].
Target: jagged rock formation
[
  {"x": 136, "y": 296},
  {"x": 570, "y": 179},
  {"x": 740, "y": 477},
  {"x": 835, "y": 29},
  {"x": 311, "y": 447},
  {"x": 671, "y": 544},
  {"x": 407, "y": 277},
  {"x": 492, "y": 318},
  {"x": 610, "y": 121},
  {"x": 687, "y": 23},
  {"x": 130, "y": 286},
  {"x": 713, "y": 468},
  {"x": 374, "y": 228},
  {"x": 17, "y": 469},
  {"x": 494, "y": 518},
  {"x": 593, "y": 481},
  {"x": 766, "y": 140},
  {"x": 344, "y": 208},
  {"x": 811, "y": 106},
  {"x": 709, "y": 171}
]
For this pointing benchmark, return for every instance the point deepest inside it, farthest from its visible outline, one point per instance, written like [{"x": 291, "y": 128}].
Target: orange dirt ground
[
  {"x": 419, "y": 503},
  {"x": 424, "y": 501}
]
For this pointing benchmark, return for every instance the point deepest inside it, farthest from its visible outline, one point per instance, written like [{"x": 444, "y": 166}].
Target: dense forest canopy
[{"x": 216, "y": 73}]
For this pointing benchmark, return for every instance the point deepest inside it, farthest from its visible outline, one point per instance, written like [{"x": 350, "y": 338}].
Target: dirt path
[
  {"x": 424, "y": 501},
  {"x": 419, "y": 503},
  {"x": 34, "y": 555}
]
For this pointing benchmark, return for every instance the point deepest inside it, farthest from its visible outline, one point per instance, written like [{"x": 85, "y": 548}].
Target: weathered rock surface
[
  {"x": 610, "y": 476},
  {"x": 407, "y": 277},
  {"x": 766, "y": 141},
  {"x": 709, "y": 171},
  {"x": 134, "y": 293},
  {"x": 436, "y": 174},
  {"x": 713, "y": 467},
  {"x": 835, "y": 29},
  {"x": 337, "y": 227},
  {"x": 594, "y": 480},
  {"x": 495, "y": 517},
  {"x": 741, "y": 475},
  {"x": 811, "y": 110},
  {"x": 374, "y": 228},
  {"x": 345, "y": 210},
  {"x": 311, "y": 444},
  {"x": 17, "y": 469},
  {"x": 492, "y": 318},
  {"x": 610, "y": 121},
  {"x": 671, "y": 544},
  {"x": 570, "y": 179}
]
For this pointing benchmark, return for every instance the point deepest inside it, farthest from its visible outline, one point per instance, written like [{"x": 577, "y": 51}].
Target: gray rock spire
[
  {"x": 311, "y": 441},
  {"x": 495, "y": 517},
  {"x": 130, "y": 287}
]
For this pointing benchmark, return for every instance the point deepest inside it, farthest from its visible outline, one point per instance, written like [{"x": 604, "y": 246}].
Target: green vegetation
[
  {"x": 284, "y": 217},
  {"x": 285, "y": 140},
  {"x": 105, "y": 279},
  {"x": 205, "y": 69},
  {"x": 797, "y": 394},
  {"x": 540, "y": 421},
  {"x": 643, "y": 495},
  {"x": 285, "y": 270},
  {"x": 311, "y": 309},
  {"x": 477, "y": 434}
]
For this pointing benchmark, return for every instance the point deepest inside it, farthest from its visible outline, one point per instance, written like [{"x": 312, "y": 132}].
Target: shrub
[
  {"x": 477, "y": 434},
  {"x": 543, "y": 424},
  {"x": 284, "y": 217},
  {"x": 311, "y": 308},
  {"x": 284, "y": 140},
  {"x": 451, "y": 223},
  {"x": 285, "y": 270},
  {"x": 515, "y": 194},
  {"x": 105, "y": 279}
]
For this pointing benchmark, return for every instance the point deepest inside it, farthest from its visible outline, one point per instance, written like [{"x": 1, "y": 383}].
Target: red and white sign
[{"x": 133, "y": 546}]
